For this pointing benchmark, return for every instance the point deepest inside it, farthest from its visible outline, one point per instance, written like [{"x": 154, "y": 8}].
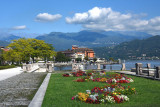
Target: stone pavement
[
  {"x": 16, "y": 86},
  {"x": 17, "y": 90},
  {"x": 126, "y": 72},
  {"x": 7, "y": 73},
  {"x": 134, "y": 74}
]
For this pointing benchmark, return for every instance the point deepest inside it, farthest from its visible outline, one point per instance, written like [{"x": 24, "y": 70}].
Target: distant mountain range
[
  {"x": 62, "y": 41},
  {"x": 5, "y": 39},
  {"x": 8, "y": 37},
  {"x": 3, "y": 43},
  {"x": 136, "y": 49}
]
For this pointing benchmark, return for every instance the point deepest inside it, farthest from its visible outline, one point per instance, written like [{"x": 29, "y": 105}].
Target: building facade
[{"x": 77, "y": 52}]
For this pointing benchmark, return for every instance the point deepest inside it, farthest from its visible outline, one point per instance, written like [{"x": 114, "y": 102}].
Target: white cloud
[
  {"x": 106, "y": 19},
  {"x": 45, "y": 17},
  {"x": 19, "y": 27}
]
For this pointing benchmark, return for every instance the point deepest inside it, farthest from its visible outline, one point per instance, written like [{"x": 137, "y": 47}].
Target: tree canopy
[
  {"x": 23, "y": 49},
  {"x": 60, "y": 57}
]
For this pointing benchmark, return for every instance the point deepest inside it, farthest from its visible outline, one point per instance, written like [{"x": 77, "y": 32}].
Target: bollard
[
  {"x": 98, "y": 66},
  {"x": 123, "y": 66},
  {"x": 49, "y": 67},
  {"x": 27, "y": 67},
  {"x": 74, "y": 67},
  {"x": 148, "y": 65},
  {"x": 104, "y": 66},
  {"x": 157, "y": 74},
  {"x": 138, "y": 68},
  {"x": 24, "y": 67},
  {"x": 53, "y": 67}
]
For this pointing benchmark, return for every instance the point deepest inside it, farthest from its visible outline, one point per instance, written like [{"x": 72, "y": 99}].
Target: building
[
  {"x": 3, "y": 48},
  {"x": 77, "y": 52}
]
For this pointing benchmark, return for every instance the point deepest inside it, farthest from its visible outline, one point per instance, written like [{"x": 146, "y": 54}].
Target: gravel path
[{"x": 18, "y": 90}]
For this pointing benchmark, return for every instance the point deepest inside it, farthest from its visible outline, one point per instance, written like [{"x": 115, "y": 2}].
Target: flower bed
[
  {"x": 82, "y": 73},
  {"x": 114, "y": 92},
  {"x": 108, "y": 94},
  {"x": 116, "y": 78},
  {"x": 75, "y": 74}
]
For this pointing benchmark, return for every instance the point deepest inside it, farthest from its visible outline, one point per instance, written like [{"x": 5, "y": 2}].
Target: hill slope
[
  {"x": 62, "y": 41},
  {"x": 3, "y": 43},
  {"x": 132, "y": 49}
]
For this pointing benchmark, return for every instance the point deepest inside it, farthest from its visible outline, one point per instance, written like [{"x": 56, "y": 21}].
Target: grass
[{"x": 61, "y": 89}]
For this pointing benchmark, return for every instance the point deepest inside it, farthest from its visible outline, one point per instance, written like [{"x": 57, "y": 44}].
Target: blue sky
[{"x": 45, "y": 16}]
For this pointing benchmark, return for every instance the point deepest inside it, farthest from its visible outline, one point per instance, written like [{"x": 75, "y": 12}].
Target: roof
[
  {"x": 68, "y": 51},
  {"x": 82, "y": 50},
  {"x": 5, "y": 49}
]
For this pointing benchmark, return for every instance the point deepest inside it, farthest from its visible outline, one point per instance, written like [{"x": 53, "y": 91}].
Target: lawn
[{"x": 61, "y": 89}]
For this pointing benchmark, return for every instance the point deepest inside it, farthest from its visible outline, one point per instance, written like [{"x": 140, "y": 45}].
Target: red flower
[
  {"x": 89, "y": 100},
  {"x": 65, "y": 75},
  {"x": 80, "y": 80}
]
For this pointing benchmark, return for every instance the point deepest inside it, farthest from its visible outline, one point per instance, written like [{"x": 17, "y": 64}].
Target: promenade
[
  {"x": 7, "y": 73},
  {"x": 18, "y": 87}
]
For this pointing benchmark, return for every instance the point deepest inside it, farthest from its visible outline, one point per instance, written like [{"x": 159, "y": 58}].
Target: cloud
[
  {"x": 106, "y": 19},
  {"x": 19, "y": 27},
  {"x": 45, "y": 17}
]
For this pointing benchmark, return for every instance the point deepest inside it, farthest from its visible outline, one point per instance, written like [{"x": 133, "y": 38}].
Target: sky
[{"x": 45, "y": 16}]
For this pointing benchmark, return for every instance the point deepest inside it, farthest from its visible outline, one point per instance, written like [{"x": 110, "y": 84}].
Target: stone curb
[{"x": 38, "y": 98}]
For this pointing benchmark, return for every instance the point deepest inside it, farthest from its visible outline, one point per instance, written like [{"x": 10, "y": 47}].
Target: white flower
[
  {"x": 102, "y": 100},
  {"x": 122, "y": 78},
  {"x": 93, "y": 97},
  {"x": 114, "y": 80},
  {"x": 70, "y": 74},
  {"x": 130, "y": 80},
  {"x": 110, "y": 99},
  {"x": 88, "y": 91},
  {"x": 124, "y": 97}
]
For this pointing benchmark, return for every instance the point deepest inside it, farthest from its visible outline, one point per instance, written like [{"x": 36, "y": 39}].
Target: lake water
[{"x": 129, "y": 64}]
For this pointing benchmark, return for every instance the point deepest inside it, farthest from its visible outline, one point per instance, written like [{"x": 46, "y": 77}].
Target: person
[
  {"x": 104, "y": 66},
  {"x": 111, "y": 67}
]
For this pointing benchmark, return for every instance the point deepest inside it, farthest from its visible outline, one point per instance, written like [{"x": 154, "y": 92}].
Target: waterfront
[{"x": 129, "y": 64}]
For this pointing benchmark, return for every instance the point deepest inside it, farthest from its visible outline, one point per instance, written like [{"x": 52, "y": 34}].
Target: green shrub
[{"x": 7, "y": 66}]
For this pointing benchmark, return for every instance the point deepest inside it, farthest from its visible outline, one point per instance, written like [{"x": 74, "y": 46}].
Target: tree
[
  {"x": 60, "y": 57},
  {"x": 24, "y": 49},
  {"x": 111, "y": 59},
  {"x": 1, "y": 57},
  {"x": 78, "y": 59},
  {"x": 12, "y": 56},
  {"x": 86, "y": 58},
  {"x": 94, "y": 59}
]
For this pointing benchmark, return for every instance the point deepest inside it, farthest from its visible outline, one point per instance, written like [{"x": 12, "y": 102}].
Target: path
[
  {"x": 134, "y": 74},
  {"x": 126, "y": 72},
  {"x": 18, "y": 90},
  {"x": 7, "y": 73}
]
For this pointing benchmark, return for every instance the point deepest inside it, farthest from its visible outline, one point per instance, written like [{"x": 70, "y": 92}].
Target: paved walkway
[
  {"x": 7, "y": 73},
  {"x": 126, "y": 72},
  {"x": 134, "y": 73}
]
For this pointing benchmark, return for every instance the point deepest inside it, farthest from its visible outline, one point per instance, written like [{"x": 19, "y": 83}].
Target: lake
[{"x": 129, "y": 64}]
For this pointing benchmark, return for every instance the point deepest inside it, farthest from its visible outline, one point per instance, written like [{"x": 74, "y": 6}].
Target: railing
[
  {"x": 153, "y": 72},
  {"x": 40, "y": 67}
]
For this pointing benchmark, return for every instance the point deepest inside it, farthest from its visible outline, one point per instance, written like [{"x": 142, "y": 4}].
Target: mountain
[
  {"x": 135, "y": 49},
  {"x": 8, "y": 37},
  {"x": 3, "y": 43},
  {"x": 62, "y": 41}
]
